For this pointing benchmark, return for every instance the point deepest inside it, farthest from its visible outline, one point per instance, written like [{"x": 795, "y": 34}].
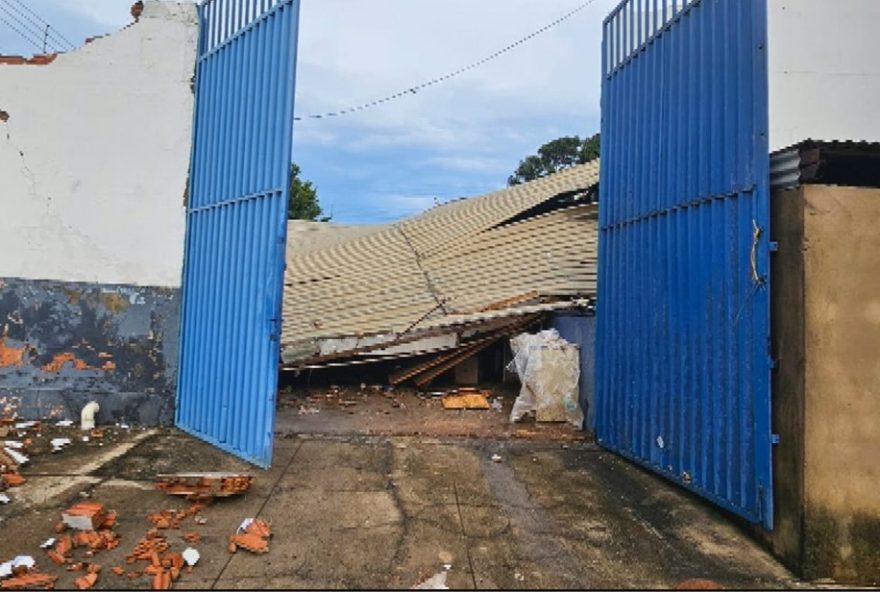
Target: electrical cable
[
  {"x": 52, "y": 31},
  {"x": 37, "y": 44},
  {"x": 415, "y": 89}
]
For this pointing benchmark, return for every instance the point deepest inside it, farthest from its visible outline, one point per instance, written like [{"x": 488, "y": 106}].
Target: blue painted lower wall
[
  {"x": 580, "y": 328},
  {"x": 63, "y": 344}
]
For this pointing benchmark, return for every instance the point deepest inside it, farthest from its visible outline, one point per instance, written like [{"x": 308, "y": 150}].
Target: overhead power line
[
  {"x": 35, "y": 25},
  {"x": 53, "y": 29},
  {"x": 21, "y": 33},
  {"x": 415, "y": 89}
]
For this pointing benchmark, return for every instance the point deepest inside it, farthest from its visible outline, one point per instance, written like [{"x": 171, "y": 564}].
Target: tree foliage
[
  {"x": 303, "y": 203},
  {"x": 555, "y": 156}
]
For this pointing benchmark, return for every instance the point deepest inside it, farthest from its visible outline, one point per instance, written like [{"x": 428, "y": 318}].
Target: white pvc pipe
[{"x": 88, "y": 415}]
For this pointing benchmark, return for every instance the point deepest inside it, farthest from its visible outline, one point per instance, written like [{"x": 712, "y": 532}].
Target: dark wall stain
[{"x": 63, "y": 343}]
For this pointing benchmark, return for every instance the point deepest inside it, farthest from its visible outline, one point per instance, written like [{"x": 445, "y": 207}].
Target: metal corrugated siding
[
  {"x": 683, "y": 369},
  {"x": 237, "y": 224}
]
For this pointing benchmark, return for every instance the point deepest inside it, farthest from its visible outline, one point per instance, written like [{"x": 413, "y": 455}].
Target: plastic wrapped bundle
[{"x": 549, "y": 370}]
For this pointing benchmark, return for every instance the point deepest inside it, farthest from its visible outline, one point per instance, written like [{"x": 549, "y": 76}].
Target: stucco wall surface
[
  {"x": 94, "y": 156},
  {"x": 826, "y": 400},
  {"x": 842, "y": 382},
  {"x": 824, "y": 72}
]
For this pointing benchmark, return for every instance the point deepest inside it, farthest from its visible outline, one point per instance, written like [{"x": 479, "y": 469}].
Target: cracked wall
[{"x": 94, "y": 159}]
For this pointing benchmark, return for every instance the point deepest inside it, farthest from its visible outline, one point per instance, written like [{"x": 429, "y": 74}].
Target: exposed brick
[{"x": 37, "y": 60}]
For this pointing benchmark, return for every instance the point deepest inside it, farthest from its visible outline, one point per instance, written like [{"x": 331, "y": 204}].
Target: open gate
[
  {"x": 683, "y": 362},
  {"x": 237, "y": 224}
]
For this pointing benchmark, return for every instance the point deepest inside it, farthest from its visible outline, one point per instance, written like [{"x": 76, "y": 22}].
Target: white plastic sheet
[{"x": 549, "y": 369}]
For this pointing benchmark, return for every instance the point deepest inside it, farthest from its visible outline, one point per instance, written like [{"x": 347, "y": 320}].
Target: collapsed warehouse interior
[{"x": 424, "y": 307}]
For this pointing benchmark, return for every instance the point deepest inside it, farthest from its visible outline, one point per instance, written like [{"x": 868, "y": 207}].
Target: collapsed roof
[{"x": 455, "y": 278}]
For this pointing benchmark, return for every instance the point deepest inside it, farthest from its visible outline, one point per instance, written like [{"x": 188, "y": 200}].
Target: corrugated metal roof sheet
[{"x": 444, "y": 266}]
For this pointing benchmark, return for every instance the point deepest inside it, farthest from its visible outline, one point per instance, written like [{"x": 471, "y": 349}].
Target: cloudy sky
[{"x": 460, "y": 138}]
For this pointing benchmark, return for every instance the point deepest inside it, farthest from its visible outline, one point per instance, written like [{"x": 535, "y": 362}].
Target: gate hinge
[
  {"x": 774, "y": 246},
  {"x": 774, "y": 439}
]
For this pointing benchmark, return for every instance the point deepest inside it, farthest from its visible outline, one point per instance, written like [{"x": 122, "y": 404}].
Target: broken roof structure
[{"x": 453, "y": 280}]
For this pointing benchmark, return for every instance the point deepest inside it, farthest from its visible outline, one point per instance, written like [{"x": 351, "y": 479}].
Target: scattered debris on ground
[
  {"x": 204, "y": 485},
  {"x": 467, "y": 398},
  {"x": 435, "y": 582},
  {"x": 253, "y": 535}
]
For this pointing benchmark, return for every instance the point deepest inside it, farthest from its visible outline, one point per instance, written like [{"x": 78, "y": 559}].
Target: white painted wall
[
  {"x": 824, "y": 71},
  {"x": 95, "y": 156}
]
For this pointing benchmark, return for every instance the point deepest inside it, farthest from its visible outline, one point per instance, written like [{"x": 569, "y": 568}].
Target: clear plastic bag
[{"x": 548, "y": 367}]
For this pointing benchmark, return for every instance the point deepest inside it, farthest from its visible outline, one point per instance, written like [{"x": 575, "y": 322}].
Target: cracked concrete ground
[{"x": 352, "y": 511}]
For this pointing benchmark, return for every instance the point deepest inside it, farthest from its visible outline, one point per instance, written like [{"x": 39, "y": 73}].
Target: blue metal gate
[
  {"x": 237, "y": 224},
  {"x": 683, "y": 363}
]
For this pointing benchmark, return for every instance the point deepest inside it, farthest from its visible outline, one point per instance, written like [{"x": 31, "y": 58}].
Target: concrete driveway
[{"x": 353, "y": 511}]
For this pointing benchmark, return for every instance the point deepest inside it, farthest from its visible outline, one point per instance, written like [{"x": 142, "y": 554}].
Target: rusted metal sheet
[{"x": 63, "y": 344}]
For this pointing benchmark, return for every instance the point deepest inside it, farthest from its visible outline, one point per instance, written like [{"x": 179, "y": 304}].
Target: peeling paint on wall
[{"x": 62, "y": 344}]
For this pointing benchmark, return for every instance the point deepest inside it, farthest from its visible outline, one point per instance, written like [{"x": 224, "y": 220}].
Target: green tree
[
  {"x": 303, "y": 203},
  {"x": 555, "y": 156}
]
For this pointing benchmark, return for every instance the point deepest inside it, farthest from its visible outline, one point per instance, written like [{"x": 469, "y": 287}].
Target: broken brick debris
[
  {"x": 31, "y": 580},
  {"x": 204, "y": 485},
  {"x": 84, "y": 516},
  {"x": 119, "y": 571},
  {"x": 250, "y": 542},
  {"x": 87, "y": 581},
  {"x": 164, "y": 565},
  {"x": 466, "y": 401},
  {"x": 173, "y": 518},
  {"x": 12, "y": 479},
  {"x": 253, "y": 535},
  {"x": 192, "y": 537}
]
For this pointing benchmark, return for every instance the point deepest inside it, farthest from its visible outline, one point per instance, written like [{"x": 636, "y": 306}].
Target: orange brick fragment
[
  {"x": 119, "y": 571},
  {"x": 260, "y": 528},
  {"x": 85, "y": 516},
  {"x": 56, "y": 557},
  {"x": 110, "y": 520},
  {"x": 192, "y": 537},
  {"x": 14, "y": 479},
  {"x": 251, "y": 542},
  {"x": 87, "y": 581},
  {"x": 29, "y": 581},
  {"x": 64, "y": 545},
  {"x": 162, "y": 581}
]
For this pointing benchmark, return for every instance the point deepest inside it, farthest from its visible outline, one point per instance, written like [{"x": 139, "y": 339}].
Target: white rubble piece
[
  {"x": 58, "y": 444},
  {"x": 48, "y": 544},
  {"x": 549, "y": 370},
  {"x": 17, "y": 456},
  {"x": 191, "y": 556},
  {"x": 87, "y": 417},
  {"x": 25, "y": 425},
  {"x": 435, "y": 582},
  {"x": 4, "y": 499},
  {"x": 64, "y": 423},
  {"x": 244, "y": 524},
  {"x": 14, "y": 444}
]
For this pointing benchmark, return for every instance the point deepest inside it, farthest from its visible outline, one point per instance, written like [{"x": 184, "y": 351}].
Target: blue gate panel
[
  {"x": 683, "y": 363},
  {"x": 237, "y": 224}
]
